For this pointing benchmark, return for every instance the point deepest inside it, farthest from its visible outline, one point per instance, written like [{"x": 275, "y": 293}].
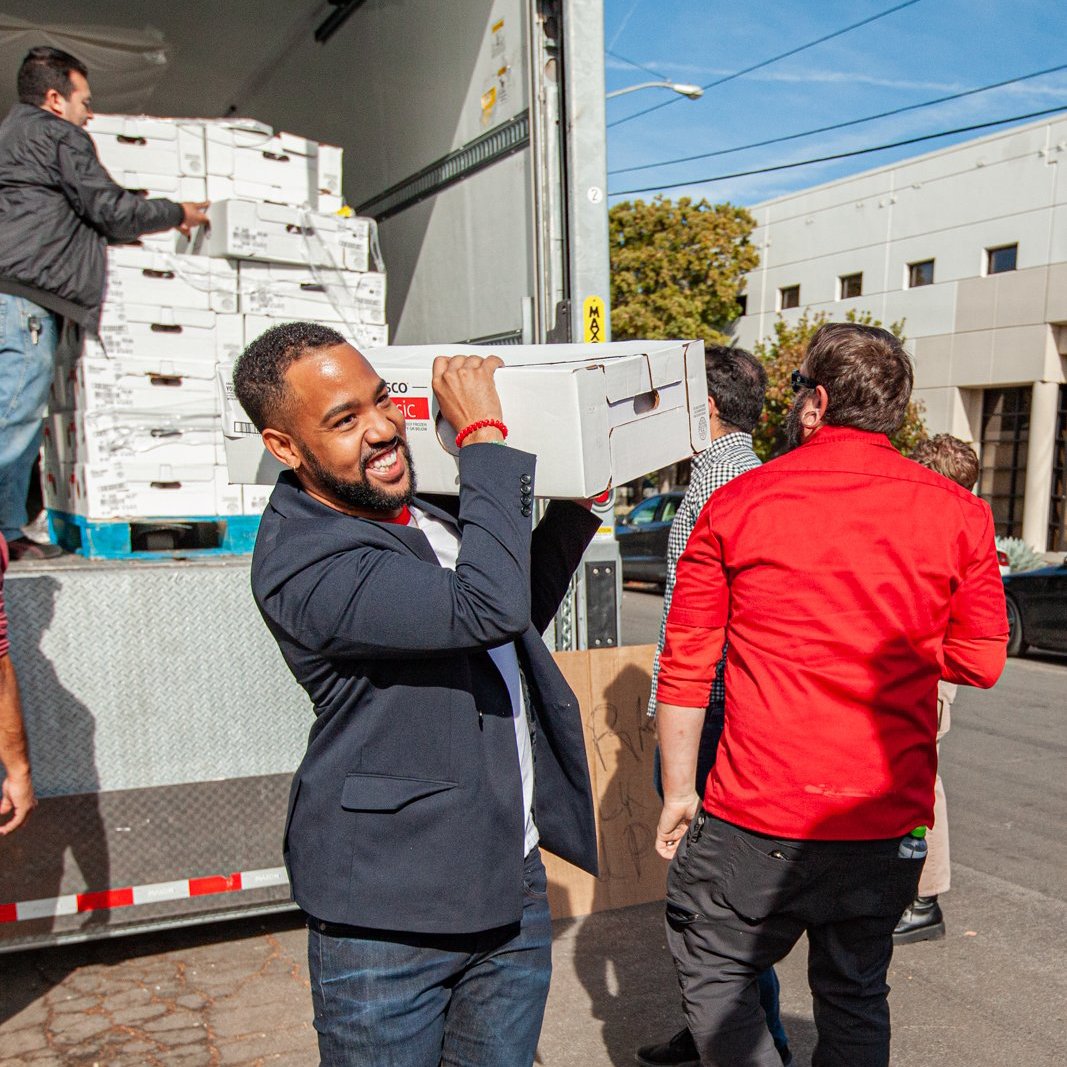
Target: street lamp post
[{"x": 694, "y": 92}]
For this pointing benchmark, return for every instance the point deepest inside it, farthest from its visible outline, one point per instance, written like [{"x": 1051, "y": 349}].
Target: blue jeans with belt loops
[
  {"x": 29, "y": 336},
  {"x": 424, "y": 1000}
]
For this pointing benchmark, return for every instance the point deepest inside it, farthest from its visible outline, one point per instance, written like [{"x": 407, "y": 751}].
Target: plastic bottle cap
[{"x": 919, "y": 831}]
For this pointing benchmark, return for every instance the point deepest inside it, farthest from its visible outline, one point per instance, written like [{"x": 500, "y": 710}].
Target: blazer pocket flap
[{"x": 380, "y": 792}]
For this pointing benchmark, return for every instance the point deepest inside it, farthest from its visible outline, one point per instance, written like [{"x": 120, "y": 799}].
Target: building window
[
  {"x": 849, "y": 285},
  {"x": 789, "y": 297},
  {"x": 998, "y": 260},
  {"x": 1005, "y": 436},
  {"x": 742, "y": 304},
  {"x": 1057, "y": 515},
  {"x": 920, "y": 274}
]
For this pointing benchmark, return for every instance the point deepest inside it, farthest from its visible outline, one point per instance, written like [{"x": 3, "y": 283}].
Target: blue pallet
[{"x": 113, "y": 538}]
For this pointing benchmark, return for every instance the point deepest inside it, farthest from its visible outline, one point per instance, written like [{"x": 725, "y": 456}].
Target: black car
[
  {"x": 642, "y": 535},
  {"x": 1037, "y": 609}
]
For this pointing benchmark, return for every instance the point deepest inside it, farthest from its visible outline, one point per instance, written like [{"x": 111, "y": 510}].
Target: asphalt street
[{"x": 992, "y": 994}]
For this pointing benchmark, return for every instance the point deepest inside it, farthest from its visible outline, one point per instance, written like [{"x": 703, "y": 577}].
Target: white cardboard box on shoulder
[{"x": 594, "y": 415}]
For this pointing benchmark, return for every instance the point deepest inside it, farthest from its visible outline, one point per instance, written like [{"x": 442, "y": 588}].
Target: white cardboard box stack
[{"x": 135, "y": 429}]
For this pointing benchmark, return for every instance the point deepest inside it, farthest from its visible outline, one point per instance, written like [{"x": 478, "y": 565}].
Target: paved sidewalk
[{"x": 992, "y": 994}]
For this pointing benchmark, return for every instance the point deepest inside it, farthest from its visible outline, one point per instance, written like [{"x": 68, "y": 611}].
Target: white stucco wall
[{"x": 966, "y": 331}]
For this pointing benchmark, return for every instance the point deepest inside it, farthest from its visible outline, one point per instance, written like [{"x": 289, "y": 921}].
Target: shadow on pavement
[{"x": 30, "y": 975}]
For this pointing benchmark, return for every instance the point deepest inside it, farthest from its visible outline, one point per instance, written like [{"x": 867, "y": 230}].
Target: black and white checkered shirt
[{"x": 726, "y": 458}]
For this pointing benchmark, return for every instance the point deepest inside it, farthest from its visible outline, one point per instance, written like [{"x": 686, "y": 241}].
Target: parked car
[
  {"x": 642, "y": 535},
  {"x": 1037, "y": 609}
]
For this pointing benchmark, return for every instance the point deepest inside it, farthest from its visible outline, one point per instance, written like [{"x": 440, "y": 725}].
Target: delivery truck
[{"x": 164, "y": 726}]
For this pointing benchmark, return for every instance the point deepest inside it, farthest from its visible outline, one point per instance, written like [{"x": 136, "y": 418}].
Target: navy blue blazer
[{"x": 406, "y": 811}]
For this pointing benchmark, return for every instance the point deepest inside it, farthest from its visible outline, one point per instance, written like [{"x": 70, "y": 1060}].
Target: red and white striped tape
[{"x": 131, "y": 896}]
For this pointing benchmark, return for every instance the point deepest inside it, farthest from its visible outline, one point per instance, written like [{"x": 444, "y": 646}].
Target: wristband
[{"x": 481, "y": 424}]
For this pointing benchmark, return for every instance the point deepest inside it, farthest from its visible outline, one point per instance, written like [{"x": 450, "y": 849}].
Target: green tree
[
  {"x": 783, "y": 353},
  {"x": 677, "y": 268}
]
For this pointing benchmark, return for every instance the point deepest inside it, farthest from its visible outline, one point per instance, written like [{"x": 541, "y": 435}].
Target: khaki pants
[{"x": 936, "y": 876}]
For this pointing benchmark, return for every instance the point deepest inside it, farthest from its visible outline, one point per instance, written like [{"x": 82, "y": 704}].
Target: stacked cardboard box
[
  {"x": 294, "y": 263},
  {"x": 134, "y": 429},
  {"x": 216, "y": 159}
]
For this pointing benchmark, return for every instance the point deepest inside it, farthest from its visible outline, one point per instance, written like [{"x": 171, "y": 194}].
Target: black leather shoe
[
  {"x": 23, "y": 548},
  {"x": 680, "y": 1051},
  {"x": 922, "y": 921}
]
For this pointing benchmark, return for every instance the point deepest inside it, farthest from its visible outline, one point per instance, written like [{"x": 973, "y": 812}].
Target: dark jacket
[
  {"x": 406, "y": 812},
  {"x": 58, "y": 210}
]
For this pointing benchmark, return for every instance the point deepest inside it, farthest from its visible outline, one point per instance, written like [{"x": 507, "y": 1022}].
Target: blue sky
[{"x": 929, "y": 49}]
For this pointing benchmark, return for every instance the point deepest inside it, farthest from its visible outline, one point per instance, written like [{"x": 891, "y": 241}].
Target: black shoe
[
  {"x": 922, "y": 921},
  {"x": 24, "y": 548},
  {"x": 680, "y": 1051}
]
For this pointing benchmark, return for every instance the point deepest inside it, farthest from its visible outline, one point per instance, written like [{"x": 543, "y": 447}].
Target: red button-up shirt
[{"x": 851, "y": 579}]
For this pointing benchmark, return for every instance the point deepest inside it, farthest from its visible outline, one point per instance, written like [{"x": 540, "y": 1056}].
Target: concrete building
[{"x": 968, "y": 246}]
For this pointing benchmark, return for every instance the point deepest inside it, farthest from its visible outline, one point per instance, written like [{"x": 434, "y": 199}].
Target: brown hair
[
  {"x": 949, "y": 456},
  {"x": 866, "y": 373}
]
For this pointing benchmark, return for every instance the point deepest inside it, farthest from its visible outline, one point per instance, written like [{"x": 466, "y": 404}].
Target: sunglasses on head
[{"x": 801, "y": 381}]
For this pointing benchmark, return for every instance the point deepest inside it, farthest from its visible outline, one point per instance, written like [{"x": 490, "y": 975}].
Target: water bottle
[{"x": 913, "y": 845}]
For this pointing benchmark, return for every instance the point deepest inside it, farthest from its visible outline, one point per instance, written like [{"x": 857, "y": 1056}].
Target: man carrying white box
[
  {"x": 60, "y": 209},
  {"x": 412, "y": 842}
]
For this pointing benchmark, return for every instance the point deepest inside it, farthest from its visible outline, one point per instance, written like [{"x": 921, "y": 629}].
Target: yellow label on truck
[{"x": 593, "y": 320}]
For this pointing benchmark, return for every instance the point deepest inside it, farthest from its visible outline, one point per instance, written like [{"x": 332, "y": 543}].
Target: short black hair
[
  {"x": 737, "y": 382},
  {"x": 44, "y": 69},
  {"x": 259, "y": 374}
]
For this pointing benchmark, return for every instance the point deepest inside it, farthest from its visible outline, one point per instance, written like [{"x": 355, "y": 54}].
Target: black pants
[{"x": 737, "y": 903}]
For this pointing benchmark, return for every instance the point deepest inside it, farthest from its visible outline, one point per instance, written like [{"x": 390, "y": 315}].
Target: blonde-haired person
[{"x": 923, "y": 920}]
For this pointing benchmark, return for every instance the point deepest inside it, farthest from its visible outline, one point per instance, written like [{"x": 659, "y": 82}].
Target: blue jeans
[
  {"x": 767, "y": 982},
  {"x": 423, "y": 1000},
  {"x": 29, "y": 335}
]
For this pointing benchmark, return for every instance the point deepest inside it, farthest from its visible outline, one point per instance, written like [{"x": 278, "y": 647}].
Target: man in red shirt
[{"x": 845, "y": 605}]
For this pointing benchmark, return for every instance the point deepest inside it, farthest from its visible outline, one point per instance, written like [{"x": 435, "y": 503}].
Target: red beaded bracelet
[{"x": 481, "y": 424}]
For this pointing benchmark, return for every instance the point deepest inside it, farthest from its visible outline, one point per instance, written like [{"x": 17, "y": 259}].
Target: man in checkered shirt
[{"x": 737, "y": 384}]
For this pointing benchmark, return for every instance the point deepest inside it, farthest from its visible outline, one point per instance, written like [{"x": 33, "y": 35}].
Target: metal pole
[{"x": 592, "y": 616}]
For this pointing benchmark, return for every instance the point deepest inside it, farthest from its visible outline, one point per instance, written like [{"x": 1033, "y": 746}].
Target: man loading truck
[{"x": 59, "y": 208}]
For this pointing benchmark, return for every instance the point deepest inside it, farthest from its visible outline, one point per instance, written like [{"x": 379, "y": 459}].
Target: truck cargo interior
[{"x": 431, "y": 104}]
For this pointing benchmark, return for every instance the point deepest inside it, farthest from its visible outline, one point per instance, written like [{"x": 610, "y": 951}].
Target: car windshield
[{"x": 643, "y": 514}]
